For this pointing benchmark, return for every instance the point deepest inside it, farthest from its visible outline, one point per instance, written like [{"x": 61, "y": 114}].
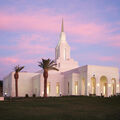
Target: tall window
[
  {"x": 65, "y": 54},
  {"x": 36, "y": 91},
  {"x": 56, "y": 53},
  {"x": 48, "y": 88},
  {"x": 58, "y": 88},
  {"x": 93, "y": 85},
  {"x": 76, "y": 87},
  {"x": 68, "y": 87},
  {"x": 58, "y": 65},
  {"x": 113, "y": 86},
  {"x": 104, "y": 89}
]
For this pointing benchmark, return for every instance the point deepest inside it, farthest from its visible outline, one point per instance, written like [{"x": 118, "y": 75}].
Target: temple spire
[{"x": 62, "y": 27}]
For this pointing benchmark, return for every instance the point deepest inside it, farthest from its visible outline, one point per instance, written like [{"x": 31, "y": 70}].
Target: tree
[
  {"x": 17, "y": 69},
  {"x": 46, "y": 65}
]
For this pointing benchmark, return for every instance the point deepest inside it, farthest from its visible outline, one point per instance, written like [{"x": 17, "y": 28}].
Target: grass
[{"x": 63, "y": 108}]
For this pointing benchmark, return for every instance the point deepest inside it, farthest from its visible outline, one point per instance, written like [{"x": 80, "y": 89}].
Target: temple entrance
[
  {"x": 103, "y": 86},
  {"x": 93, "y": 85},
  {"x": 83, "y": 87},
  {"x": 113, "y": 86}
]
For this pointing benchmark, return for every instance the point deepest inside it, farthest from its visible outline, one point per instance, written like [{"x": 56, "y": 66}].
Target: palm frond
[
  {"x": 51, "y": 62},
  {"x": 41, "y": 64},
  {"x": 52, "y": 65},
  {"x": 18, "y": 68},
  {"x": 47, "y": 64},
  {"x": 53, "y": 68}
]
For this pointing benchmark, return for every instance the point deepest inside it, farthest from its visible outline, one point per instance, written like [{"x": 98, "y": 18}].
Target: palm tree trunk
[
  {"x": 16, "y": 87},
  {"x": 16, "y": 76},
  {"x": 45, "y": 75},
  {"x": 45, "y": 87}
]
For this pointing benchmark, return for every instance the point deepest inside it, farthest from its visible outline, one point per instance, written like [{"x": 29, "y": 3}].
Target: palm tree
[
  {"x": 47, "y": 64},
  {"x": 17, "y": 69}
]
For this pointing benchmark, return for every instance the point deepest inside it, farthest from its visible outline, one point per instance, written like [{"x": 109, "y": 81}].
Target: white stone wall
[
  {"x": 68, "y": 80},
  {"x": 7, "y": 85},
  {"x": 65, "y": 65},
  {"x": 83, "y": 76},
  {"x": 24, "y": 84},
  {"x": 33, "y": 83},
  {"x": 53, "y": 78},
  {"x": 36, "y": 85},
  {"x": 86, "y": 73},
  {"x": 108, "y": 72},
  {"x": 75, "y": 78},
  {"x": 69, "y": 77}
]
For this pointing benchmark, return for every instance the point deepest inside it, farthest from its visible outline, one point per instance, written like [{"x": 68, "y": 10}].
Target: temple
[{"x": 71, "y": 79}]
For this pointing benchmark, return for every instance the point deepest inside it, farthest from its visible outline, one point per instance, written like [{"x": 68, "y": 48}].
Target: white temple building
[{"x": 69, "y": 80}]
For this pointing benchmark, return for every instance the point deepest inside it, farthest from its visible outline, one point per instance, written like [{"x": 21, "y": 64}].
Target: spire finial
[{"x": 62, "y": 28}]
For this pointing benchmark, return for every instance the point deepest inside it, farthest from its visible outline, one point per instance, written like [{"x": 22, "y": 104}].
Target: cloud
[
  {"x": 15, "y": 60},
  {"x": 28, "y": 22},
  {"x": 8, "y": 63},
  {"x": 29, "y": 44},
  {"x": 44, "y": 21},
  {"x": 99, "y": 35},
  {"x": 8, "y": 60},
  {"x": 114, "y": 40},
  {"x": 106, "y": 58},
  {"x": 94, "y": 57},
  {"x": 88, "y": 29}
]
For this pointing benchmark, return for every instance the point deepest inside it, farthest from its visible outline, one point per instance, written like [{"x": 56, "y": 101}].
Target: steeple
[
  {"x": 62, "y": 50},
  {"x": 62, "y": 34},
  {"x": 62, "y": 53},
  {"x": 62, "y": 27}
]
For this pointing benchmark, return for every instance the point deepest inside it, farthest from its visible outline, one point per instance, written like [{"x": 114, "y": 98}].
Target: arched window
[{"x": 104, "y": 86}]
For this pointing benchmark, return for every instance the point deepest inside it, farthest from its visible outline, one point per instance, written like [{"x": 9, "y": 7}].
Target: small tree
[
  {"x": 46, "y": 65},
  {"x": 17, "y": 69}
]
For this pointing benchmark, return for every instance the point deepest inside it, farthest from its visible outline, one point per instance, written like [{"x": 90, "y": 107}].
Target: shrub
[
  {"x": 26, "y": 95},
  {"x": 34, "y": 95}
]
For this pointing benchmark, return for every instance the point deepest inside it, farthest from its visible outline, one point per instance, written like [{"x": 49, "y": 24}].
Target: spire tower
[
  {"x": 62, "y": 49},
  {"x": 62, "y": 27},
  {"x": 62, "y": 53}
]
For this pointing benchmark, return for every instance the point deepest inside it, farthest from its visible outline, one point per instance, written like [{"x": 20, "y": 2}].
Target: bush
[
  {"x": 26, "y": 95},
  {"x": 34, "y": 95}
]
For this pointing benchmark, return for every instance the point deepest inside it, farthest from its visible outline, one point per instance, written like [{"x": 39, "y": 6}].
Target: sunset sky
[{"x": 30, "y": 29}]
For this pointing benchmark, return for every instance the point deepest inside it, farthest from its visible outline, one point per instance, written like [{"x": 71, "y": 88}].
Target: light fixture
[
  {"x": 60, "y": 93},
  {"x": 117, "y": 85},
  {"x": 98, "y": 84}
]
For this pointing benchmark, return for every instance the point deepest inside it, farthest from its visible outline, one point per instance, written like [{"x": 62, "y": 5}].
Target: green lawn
[{"x": 63, "y": 108}]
